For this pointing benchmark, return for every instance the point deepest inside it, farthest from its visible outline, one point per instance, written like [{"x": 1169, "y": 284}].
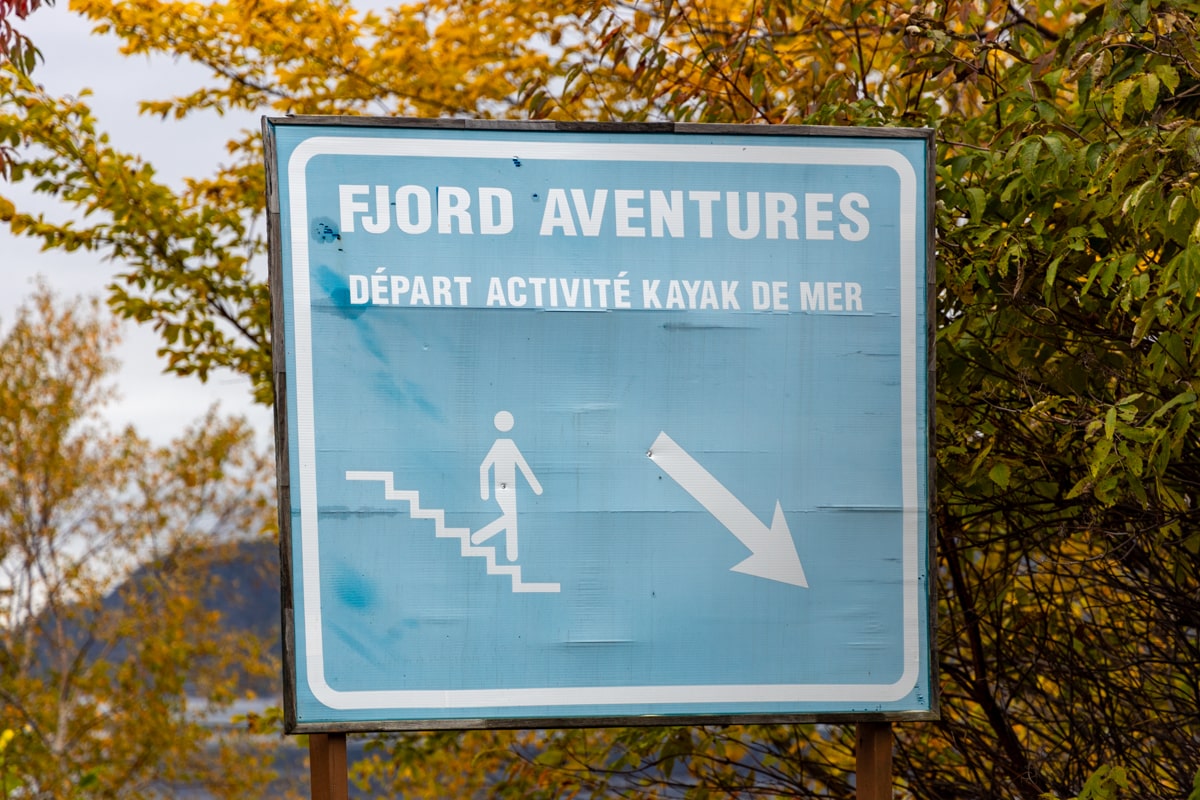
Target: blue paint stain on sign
[{"x": 639, "y": 428}]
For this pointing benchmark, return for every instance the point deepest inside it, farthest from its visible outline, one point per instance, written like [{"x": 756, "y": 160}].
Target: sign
[{"x": 601, "y": 423}]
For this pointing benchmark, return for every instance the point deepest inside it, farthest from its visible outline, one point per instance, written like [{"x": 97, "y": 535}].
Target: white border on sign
[{"x": 581, "y": 696}]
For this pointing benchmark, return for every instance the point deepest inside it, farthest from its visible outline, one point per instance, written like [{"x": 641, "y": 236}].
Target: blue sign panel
[{"x": 602, "y": 424}]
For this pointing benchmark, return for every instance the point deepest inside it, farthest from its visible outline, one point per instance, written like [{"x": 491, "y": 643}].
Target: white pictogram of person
[{"x": 502, "y": 460}]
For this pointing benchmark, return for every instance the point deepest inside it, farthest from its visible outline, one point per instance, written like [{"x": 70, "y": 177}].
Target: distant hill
[
  {"x": 243, "y": 585},
  {"x": 240, "y": 581}
]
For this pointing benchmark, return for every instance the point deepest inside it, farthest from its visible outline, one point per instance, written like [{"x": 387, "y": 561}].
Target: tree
[
  {"x": 97, "y": 660},
  {"x": 1069, "y": 266}
]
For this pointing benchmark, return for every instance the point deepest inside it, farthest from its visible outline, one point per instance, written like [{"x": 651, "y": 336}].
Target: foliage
[
  {"x": 96, "y": 667},
  {"x": 18, "y": 51},
  {"x": 1068, "y": 178},
  {"x": 13, "y": 44},
  {"x": 1105, "y": 783}
]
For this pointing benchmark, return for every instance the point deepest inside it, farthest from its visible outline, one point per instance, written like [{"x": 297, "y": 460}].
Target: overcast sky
[{"x": 160, "y": 406}]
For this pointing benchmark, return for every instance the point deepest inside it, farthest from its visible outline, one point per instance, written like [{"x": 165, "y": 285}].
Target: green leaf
[
  {"x": 1142, "y": 327},
  {"x": 1082, "y": 486},
  {"x": 999, "y": 474},
  {"x": 758, "y": 87},
  {"x": 1135, "y": 198},
  {"x": 1179, "y": 399},
  {"x": 1051, "y": 275},
  {"x": 1105, "y": 784},
  {"x": 1178, "y": 204},
  {"x": 976, "y": 199},
  {"x": 1108, "y": 271},
  {"x": 1168, "y": 75},
  {"x": 1054, "y": 144},
  {"x": 1121, "y": 97},
  {"x": 1140, "y": 285},
  {"x": 1149, "y": 87},
  {"x": 1105, "y": 489},
  {"x": 1189, "y": 272},
  {"x": 1100, "y": 457},
  {"x": 1028, "y": 157}
]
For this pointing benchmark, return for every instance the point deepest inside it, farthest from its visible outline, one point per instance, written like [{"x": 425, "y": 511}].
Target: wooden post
[
  {"x": 873, "y": 762},
  {"x": 327, "y": 766}
]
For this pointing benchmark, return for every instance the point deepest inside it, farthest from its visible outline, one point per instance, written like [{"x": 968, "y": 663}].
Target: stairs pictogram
[{"x": 442, "y": 531}]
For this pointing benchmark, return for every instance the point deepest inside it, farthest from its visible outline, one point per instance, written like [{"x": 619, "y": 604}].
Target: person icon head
[{"x": 504, "y": 421}]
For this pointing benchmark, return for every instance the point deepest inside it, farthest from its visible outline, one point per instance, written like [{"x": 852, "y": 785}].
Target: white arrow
[{"x": 772, "y": 551}]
